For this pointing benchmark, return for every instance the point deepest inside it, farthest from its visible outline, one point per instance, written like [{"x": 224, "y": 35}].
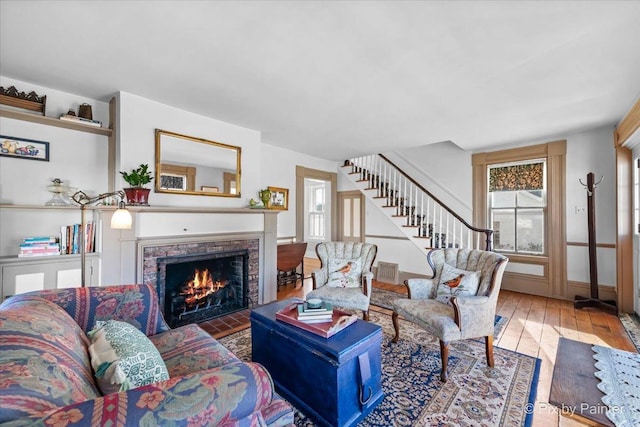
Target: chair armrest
[
  {"x": 420, "y": 288},
  {"x": 319, "y": 278},
  {"x": 231, "y": 392},
  {"x": 474, "y": 315},
  {"x": 367, "y": 278}
]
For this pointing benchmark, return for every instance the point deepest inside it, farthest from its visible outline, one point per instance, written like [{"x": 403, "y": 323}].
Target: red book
[{"x": 326, "y": 329}]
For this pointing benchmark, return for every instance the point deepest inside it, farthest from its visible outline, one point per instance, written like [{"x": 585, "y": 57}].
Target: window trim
[{"x": 554, "y": 281}]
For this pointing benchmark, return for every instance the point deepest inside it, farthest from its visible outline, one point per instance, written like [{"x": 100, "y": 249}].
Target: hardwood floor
[{"x": 534, "y": 326}]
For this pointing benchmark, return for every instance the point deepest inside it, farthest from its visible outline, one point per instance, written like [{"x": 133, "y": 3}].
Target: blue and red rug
[{"x": 474, "y": 395}]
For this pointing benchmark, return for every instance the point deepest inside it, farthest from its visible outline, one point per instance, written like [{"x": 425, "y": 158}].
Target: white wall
[
  {"x": 81, "y": 159},
  {"x": 140, "y": 117},
  {"x": 279, "y": 170},
  {"x": 78, "y": 158},
  {"x": 446, "y": 171}
]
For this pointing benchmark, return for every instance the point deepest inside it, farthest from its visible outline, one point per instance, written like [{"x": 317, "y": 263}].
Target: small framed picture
[
  {"x": 22, "y": 148},
  {"x": 279, "y": 198},
  {"x": 169, "y": 181},
  {"x": 209, "y": 189}
]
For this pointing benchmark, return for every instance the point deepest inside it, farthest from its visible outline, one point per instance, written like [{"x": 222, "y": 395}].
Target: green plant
[{"x": 138, "y": 177}]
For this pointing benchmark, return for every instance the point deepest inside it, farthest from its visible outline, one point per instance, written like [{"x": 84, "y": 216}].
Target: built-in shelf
[
  {"x": 45, "y": 258},
  {"x": 174, "y": 209},
  {"x": 50, "y": 121}
]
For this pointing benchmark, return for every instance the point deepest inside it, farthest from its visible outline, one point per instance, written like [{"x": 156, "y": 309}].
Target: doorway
[
  {"x": 351, "y": 216},
  {"x": 316, "y": 210}
]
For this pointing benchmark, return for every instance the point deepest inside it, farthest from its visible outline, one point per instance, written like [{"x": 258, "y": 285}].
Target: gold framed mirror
[{"x": 197, "y": 166}]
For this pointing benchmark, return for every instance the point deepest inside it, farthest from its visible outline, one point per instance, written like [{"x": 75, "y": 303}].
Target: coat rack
[{"x": 593, "y": 300}]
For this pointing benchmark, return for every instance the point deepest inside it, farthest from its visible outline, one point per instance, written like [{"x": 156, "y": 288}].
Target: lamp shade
[{"x": 121, "y": 218}]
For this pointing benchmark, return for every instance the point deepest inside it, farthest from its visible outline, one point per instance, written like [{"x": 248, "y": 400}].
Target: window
[
  {"x": 517, "y": 205},
  {"x": 316, "y": 208}
]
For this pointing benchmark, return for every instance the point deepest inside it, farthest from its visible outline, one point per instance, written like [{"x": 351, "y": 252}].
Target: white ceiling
[{"x": 338, "y": 79}]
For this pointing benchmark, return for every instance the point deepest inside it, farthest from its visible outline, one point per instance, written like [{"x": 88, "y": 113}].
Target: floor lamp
[{"x": 121, "y": 219}]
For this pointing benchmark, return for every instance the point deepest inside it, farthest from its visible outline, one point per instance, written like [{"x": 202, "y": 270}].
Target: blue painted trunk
[{"x": 334, "y": 381}]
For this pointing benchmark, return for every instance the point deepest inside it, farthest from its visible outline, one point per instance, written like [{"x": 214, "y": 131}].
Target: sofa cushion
[
  {"x": 44, "y": 363},
  {"x": 190, "y": 349},
  {"x": 122, "y": 357},
  {"x": 456, "y": 282}
]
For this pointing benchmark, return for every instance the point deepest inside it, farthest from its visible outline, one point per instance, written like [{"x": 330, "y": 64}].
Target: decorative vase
[
  {"x": 137, "y": 196},
  {"x": 265, "y": 196}
]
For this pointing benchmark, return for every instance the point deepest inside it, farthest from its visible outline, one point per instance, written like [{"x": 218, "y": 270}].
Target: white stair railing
[{"x": 423, "y": 217}]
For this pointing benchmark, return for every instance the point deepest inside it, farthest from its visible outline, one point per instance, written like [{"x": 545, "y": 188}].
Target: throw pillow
[
  {"x": 345, "y": 272},
  {"x": 456, "y": 282},
  {"x": 123, "y": 357}
]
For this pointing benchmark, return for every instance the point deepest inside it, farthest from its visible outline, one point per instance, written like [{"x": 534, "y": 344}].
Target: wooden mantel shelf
[
  {"x": 50, "y": 121},
  {"x": 167, "y": 209}
]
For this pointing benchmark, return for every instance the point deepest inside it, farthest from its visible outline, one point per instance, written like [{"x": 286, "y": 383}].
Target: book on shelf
[
  {"x": 39, "y": 246},
  {"x": 70, "y": 238},
  {"x": 24, "y": 255},
  {"x": 82, "y": 120},
  {"x": 39, "y": 239}
]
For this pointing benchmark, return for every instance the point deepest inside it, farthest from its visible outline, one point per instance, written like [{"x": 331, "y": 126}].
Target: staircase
[{"x": 424, "y": 219}]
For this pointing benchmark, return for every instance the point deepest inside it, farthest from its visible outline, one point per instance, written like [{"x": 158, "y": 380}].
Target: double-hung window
[{"x": 518, "y": 206}]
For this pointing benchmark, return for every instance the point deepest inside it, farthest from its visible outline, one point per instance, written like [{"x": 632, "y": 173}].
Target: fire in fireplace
[{"x": 204, "y": 286}]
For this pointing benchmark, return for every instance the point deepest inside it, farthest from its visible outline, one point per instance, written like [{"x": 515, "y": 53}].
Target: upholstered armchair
[
  {"x": 344, "y": 277},
  {"x": 458, "y": 302}
]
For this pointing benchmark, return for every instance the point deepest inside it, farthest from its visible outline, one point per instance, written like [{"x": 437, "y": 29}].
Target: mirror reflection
[{"x": 190, "y": 165}]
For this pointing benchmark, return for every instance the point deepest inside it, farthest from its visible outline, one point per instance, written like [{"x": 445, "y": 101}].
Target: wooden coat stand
[{"x": 593, "y": 300}]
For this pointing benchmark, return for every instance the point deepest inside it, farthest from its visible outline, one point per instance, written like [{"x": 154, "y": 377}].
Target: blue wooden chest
[{"x": 335, "y": 381}]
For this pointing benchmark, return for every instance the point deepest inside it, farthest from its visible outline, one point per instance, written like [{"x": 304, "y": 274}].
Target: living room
[{"x": 76, "y": 58}]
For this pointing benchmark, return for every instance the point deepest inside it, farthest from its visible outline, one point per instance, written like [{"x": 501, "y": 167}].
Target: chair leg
[
  {"x": 365, "y": 315},
  {"x": 488, "y": 343},
  {"x": 444, "y": 355},
  {"x": 396, "y": 326}
]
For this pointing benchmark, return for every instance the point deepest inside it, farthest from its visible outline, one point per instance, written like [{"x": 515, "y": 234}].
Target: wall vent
[{"x": 388, "y": 272}]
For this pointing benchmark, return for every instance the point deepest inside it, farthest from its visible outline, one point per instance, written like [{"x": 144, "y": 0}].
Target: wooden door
[{"x": 351, "y": 216}]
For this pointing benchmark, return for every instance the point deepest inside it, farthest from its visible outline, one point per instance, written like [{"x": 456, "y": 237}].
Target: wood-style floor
[{"x": 534, "y": 326}]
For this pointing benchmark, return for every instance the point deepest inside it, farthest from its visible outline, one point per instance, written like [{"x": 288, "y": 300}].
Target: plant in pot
[{"x": 137, "y": 178}]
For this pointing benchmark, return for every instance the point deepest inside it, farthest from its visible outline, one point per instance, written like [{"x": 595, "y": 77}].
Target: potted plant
[{"x": 137, "y": 178}]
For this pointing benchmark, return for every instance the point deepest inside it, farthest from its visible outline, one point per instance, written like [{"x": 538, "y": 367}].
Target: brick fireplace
[{"x": 233, "y": 263}]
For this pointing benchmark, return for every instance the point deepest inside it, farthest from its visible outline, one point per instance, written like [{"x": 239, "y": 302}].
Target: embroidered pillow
[
  {"x": 345, "y": 272},
  {"x": 123, "y": 357},
  {"x": 456, "y": 282}
]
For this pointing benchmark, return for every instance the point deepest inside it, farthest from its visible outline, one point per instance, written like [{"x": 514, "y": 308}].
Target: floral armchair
[
  {"x": 344, "y": 277},
  {"x": 434, "y": 305}
]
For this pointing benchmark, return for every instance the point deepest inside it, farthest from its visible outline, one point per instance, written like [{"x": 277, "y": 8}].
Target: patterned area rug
[
  {"x": 475, "y": 394},
  {"x": 631, "y": 324},
  {"x": 382, "y": 297}
]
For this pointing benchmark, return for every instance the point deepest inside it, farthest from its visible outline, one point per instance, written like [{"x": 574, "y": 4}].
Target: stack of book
[
  {"x": 81, "y": 120},
  {"x": 39, "y": 246},
  {"x": 322, "y": 314}
]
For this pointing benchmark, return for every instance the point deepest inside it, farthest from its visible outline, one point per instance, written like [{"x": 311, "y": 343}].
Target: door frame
[
  {"x": 302, "y": 173},
  {"x": 342, "y": 195}
]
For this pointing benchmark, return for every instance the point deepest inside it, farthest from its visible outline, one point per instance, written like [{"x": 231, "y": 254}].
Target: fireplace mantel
[{"x": 159, "y": 225}]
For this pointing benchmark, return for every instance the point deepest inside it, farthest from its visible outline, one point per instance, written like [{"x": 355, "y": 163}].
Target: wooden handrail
[{"x": 488, "y": 232}]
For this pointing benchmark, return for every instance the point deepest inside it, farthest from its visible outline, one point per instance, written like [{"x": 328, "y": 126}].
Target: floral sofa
[{"x": 46, "y": 376}]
